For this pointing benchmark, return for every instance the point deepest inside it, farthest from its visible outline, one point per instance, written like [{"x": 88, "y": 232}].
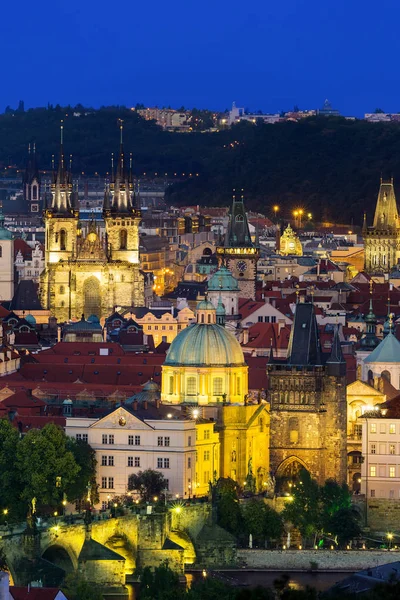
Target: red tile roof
[{"x": 24, "y": 593}]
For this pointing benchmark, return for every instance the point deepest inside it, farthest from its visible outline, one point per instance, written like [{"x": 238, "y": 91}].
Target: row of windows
[
  {"x": 383, "y": 448},
  {"x": 266, "y": 319},
  {"x": 108, "y": 461},
  {"x": 82, "y": 436},
  {"x": 162, "y": 463},
  {"x": 383, "y": 471},
  {"x": 383, "y": 495},
  {"x": 382, "y": 428},
  {"x": 191, "y": 386},
  {"x": 163, "y": 327},
  {"x": 163, "y": 441},
  {"x": 133, "y": 440}
]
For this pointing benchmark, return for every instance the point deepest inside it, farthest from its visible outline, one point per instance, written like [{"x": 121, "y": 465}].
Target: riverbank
[{"x": 304, "y": 560}]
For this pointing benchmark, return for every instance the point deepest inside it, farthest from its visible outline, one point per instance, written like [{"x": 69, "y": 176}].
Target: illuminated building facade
[
  {"x": 88, "y": 272},
  {"x": 290, "y": 243}
]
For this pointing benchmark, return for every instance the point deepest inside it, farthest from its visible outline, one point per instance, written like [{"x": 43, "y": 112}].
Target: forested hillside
[{"x": 329, "y": 166}]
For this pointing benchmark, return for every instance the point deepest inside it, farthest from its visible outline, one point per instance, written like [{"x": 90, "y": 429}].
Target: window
[
  {"x": 104, "y": 483},
  {"x": 166, "y": 482},
  {"x": 217, "y": 386},
  {"x": 167, "y": 441},
  {"x": 123, "y": 239},
  {"x": 266, "y": 319},
  {"x": 78, "y": 436},
  {"x": 382, "y": 428},
  {"x": 260, "y": 319},
  {"x": 104, "y": 438},
  {"x": 62, "y": 289},
  {"x": 206, "y": 476},
  {"x": 171, "y": 385},
  {"x": 392, "y": 448},
  {"x": 206, "y": 434},
  {"x": 273, "y": 319},
  {"x": 110, "y": 461},
  {"x": 391, "y": 494},
  {"x": 206, "y": 455},
  {"x": 134, "y": 440},
  {"x": 373, "y": 448},
  {"x": 111, "y": 439},
  {"x": 166, "y": 463},
  {"x": 130, "y": 461},
  {"x": 392, "y": 471},
  {"x": 104, "y": 461},
  {"x": 392, "y": 428},
  {"x": 1, "y": 251},
  {"x": 130, "y": 440},
  {"x": 372, "y": 471},
  {"x": 191, "y": 387},
  {"x": 189, "y": 462},
  {"x": 189, "y": 440},
  {"x": 159, "y": 441},
  {"x": 111, "y": 483},
  {"x": 104, "y": 505},
  {"x": 372, "y": 493},
  {"x": 238, "y": 386},
  {"x": 137, "y": 461},
  {"x": 85, "y": 437},
  {"x": 34, "y": 192},
  {"x": 373, "y": 428},
  {"x": 159, "y": 463}
]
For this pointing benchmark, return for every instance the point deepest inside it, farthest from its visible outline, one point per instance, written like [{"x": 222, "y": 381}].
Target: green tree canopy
[
  {"x": 148, "y": 484},
  {"x": 304, "y": 509},
  {"x": 85, "y": 458}
]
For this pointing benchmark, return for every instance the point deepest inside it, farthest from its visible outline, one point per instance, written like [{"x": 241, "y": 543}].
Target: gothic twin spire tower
[{"x": 95, "y": 273}]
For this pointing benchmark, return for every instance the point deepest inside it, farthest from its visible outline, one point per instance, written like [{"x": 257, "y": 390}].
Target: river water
[{"x": 299, "y": 581}]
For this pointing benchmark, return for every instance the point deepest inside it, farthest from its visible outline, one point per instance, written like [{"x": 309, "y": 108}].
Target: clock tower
[{"x": 239, "y": 253}]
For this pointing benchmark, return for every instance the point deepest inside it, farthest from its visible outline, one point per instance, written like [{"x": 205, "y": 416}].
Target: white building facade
[
  {"x": 126, "y": 443},
  {"x": 380, "y": 470}
]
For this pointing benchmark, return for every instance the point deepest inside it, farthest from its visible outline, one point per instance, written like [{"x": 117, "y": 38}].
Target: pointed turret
[
  {"x": 304, "y": 343},
  {"x": 238, "y": 233},
  {"x": 220, "y": 312},
  {"x": 106, "y": 200},
  {"x": 31, "y": 171},
  {"x": 364, "y": 227},
  {"x": 121, "y": 185},
  {"x": 386, "y": 214},
  {"x": 370, "y": 340},
  {"x": 61, "y": 186},
  {"x": 336, "y": 362}
]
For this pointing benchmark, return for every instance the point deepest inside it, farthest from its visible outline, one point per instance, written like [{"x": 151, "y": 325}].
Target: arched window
[
  {"x": 209, "y": 318},
  {"x": 34, "y": 192},
  {"x": 191, "y": 387},
  {"x": 123, "y": 239},
  {"x": 171, "y": 385},
  {"x": 217, "y": 386},
  {"x": 63, "y": 239},
  {"x": 238, "y": 386},
  {"x": 386, "y": 375},
  {"x": 239, "y": 219},
  {"x": 293, "y": 430}
]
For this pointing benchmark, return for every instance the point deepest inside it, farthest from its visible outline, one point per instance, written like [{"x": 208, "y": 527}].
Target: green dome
[
  {"x": 223, "y": 280},
  {"x": 205, "y": 305},
  {"x": 203, "y": 344}
]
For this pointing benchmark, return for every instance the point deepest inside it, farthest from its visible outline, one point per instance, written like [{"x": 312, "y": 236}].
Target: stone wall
[
  {"x": 289, "y": 560},
  {"x": 383, "y": 515}
]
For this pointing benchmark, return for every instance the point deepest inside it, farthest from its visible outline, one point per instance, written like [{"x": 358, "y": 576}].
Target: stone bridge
[{"x": 139, "y": 540}]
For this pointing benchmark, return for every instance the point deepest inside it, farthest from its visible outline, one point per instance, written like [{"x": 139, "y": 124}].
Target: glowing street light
[
  {"x": 390, "y": 538},
  {"x": 275, "y": 208}
]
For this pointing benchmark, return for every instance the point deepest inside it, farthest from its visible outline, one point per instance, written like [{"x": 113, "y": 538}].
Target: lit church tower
[
  {"x": 382, "y": 240},
  {"x": 239, "y": 252}
]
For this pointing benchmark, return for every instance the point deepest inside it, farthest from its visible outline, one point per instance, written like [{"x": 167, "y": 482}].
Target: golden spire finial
[
  {"x": 390, "y": 322},
  {"x": 371, "y": 285}
]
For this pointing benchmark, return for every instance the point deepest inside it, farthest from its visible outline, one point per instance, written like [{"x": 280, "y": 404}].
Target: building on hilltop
[
  {"x": 239, "y": 253},
  {"x": 307, "y": 395},
  {"x": 88, "y": 272},
  {"x": 382, "y": 239}
]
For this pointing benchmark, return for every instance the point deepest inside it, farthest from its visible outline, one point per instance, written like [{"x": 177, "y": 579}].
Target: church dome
[
  {"x": 31, "y": 319},
  {"x": 223, "y": 281},
  {"x": 205, "y": 305},
  {"x": 205, "y": 344}
]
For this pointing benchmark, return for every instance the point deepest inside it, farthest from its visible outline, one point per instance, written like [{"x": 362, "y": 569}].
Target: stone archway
[
  {"x": 91, "y": 297},
  {"x": 287, "y": 473},
  {"x": 59, "y": 556}
]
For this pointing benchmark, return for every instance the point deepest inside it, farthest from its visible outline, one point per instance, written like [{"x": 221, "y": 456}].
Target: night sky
[{"x": 262, "y": 54}]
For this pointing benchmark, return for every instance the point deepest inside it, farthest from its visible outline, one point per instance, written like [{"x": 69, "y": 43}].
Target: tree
[
  {"x": 304, "y": 509},
  {"x": 338, "y": 517},
  {"x": 229, "y": 516},
  {"x": 160, "y": 584},
  {"x": 148, "y": 484},
  {"x": 9, "y": 485},
  {"x": 76, "y": 587},
  {"x": 46, "y": 468},
  {"x": 261, "y": 521},
  {"x": 85, "y": 458}
]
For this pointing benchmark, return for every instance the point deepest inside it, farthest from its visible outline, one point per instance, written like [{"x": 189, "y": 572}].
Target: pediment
[
  {"x": 360, "y": 388},
  {"x": 118, "y": 416}
]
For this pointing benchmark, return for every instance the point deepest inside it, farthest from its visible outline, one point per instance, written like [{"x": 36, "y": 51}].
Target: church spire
[
  {"x": 61, "y": 187},
  {"x": 336, "y": 362},
  {"x": 121, "y": 184},
  {"x": 386, "y": 215},
  {"x": 304, "y": 343}
]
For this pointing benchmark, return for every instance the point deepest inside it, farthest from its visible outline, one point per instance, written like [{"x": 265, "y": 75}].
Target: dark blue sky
[{"x": 265, "y": 55}]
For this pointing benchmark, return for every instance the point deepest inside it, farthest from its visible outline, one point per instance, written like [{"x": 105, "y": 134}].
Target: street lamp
[
  {"x": 390, "y": 537},
  {"x": 275, "y": 208}
]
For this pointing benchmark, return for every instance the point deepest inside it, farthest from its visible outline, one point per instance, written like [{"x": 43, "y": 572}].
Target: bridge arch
[
  {"x": 287, "y": 473},
  {"x": 61, "y": 555}
]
